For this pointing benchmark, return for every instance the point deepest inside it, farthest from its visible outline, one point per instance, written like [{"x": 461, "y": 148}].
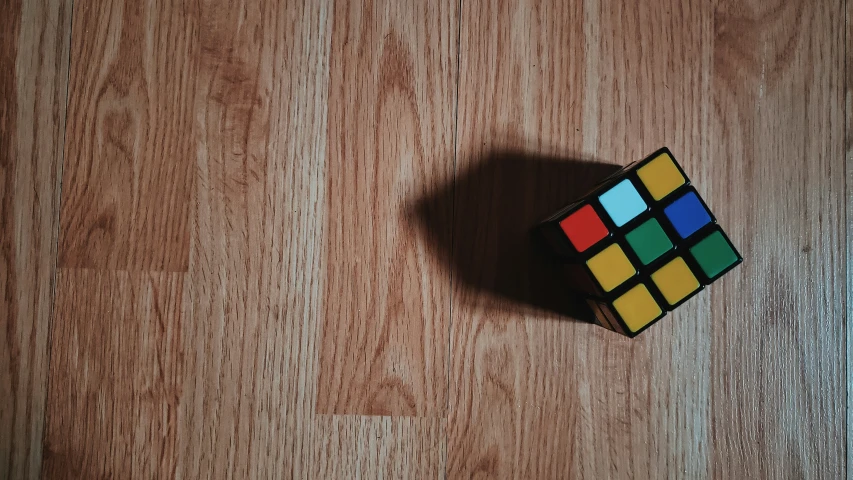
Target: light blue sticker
[{"x": 623, "y": 203}]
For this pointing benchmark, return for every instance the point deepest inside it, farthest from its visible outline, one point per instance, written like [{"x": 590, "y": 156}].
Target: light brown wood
[
  {"x": 116, "y": 386},
  {"x": 33, "y": 78},
  {"x": 294, "y": 240},
  {"x": 358, "y": 446},
  {"x": 253, "y": 290},
  {"x": 514, "y": 400},
  {"x": 593, "y": 405},
  {"x": 777, "y": 341},
  {"x": 117, "y": 362},
  {"x": 126, "y": 188},
  {"x": 385, "y": 320},
  {"x": 848, "y": 123}
]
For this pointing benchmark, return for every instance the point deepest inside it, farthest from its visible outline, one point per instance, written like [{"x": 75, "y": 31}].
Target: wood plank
[
  {"x": 387, "y": 300},
  {"x": 127, "y": 184},
  {"x": 34, "y": 39},
  {"x": 297, "y": 162},
  {"x": 778, "y": 361},
  {"x": 115, "y": 376},
  {"x": 645, "y": 404},
  {"x": 513, "y": 395},
  {"x": 355, "y": 447},
  {"x": 255, "y": 274},
  {"x": 848, "y": 189}
]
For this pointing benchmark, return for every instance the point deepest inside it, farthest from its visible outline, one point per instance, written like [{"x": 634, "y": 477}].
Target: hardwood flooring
[
  {"x": 34, "y": 49},
  {"x": 266, "y": 239}
]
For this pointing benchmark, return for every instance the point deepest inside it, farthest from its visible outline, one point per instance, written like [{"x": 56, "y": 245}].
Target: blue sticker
[{"x": 687, "y": 215}]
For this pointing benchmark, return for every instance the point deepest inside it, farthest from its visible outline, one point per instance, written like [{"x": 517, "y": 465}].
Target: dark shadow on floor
[{"x": 499, "y": 198}]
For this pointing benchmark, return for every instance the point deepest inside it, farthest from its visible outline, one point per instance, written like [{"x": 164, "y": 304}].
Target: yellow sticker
[
  {"x": 660, "y": 176},
  {"x": 675, "y": 280},
  {"x": 611, "y": 267},
  {"x": 637, "y": 307}
]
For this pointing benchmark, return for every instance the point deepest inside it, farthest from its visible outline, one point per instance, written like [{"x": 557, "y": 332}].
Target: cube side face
[
  {"x": 604, "y": 317},
  {"x": 641, "y": 244}
]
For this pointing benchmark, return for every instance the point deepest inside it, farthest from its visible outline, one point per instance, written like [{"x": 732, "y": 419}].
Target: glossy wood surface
[{"x": 266, "y": 239}]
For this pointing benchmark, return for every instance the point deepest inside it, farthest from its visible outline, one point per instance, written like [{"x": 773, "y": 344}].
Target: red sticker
[{"x": 584, "y": 228}]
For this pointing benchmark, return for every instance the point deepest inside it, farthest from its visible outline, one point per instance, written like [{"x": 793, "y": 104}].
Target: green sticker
[
  {"x": 649, "y": 241},
  {"x": 714, "y": 254}
]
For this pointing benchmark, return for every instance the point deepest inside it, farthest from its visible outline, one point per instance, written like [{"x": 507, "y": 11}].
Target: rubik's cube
[{"x": 640, "y": 244}]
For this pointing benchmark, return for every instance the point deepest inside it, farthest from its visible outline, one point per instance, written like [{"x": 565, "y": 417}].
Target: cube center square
[
  {"x": 675, "y": 281},
  {"x": 611, "y": 267},
  {"x": 584, "y": 228},
  {"x": 649, "y": 241},
  {"x": 714, "y": 254},
  {"x": 687, "y": 214},
  {"x": 661, "y": 176},
  {"x": 623, "y": 202},
  {"x": 637, "y": 307}
]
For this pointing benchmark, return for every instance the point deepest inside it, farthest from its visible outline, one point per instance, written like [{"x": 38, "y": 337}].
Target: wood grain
[
  {"x": 513, "y": 398},
  {"x": 648, "y": 400},
  {"x": 253, "y": 288},
  {"x": 777, "y": 368},
  {"x": 116, "y": 376},
  {"x": 848, "y": 144},
  {"x": 642, "y": 408},
  {"x": 356, "y": 446},
  {"x": 127, "y": 182},
  {"x": 387, "y": 303},
  {"x": 294, "y": 239},
  {"x": 34, "y": 39}
]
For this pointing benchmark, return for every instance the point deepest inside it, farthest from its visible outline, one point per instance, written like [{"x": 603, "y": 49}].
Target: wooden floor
[{"x": 275, "y": 240}]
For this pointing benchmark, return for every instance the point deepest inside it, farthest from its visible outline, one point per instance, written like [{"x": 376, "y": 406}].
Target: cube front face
[{"x": 641, "y": 244}]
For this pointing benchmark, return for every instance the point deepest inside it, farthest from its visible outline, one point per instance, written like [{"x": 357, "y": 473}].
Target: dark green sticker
[
  {"x": 649, "y": 241},
  {"x": 714, "y": 254}
]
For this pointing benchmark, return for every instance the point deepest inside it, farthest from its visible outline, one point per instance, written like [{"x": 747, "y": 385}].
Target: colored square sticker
[
  {"x": 661, "y": 176},
  {"x": 611, "y": 267},
  {"x": 584, "y": 228},
  {"x": 649, "y": 241},
  {"x": 623, "y": 202},
  {"x": 687, "y": 214},
  {"x": 675, "y": 281},
  {"x": 637, "y": 307},
  {"x": 714, "y": 254}
]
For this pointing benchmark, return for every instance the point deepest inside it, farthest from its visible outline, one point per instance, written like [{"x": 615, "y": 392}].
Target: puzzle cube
[{"x": 640, "y": 244}]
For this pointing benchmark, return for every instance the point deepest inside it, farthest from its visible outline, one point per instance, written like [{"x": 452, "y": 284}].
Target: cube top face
[{"x": 645, "y": 241}]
